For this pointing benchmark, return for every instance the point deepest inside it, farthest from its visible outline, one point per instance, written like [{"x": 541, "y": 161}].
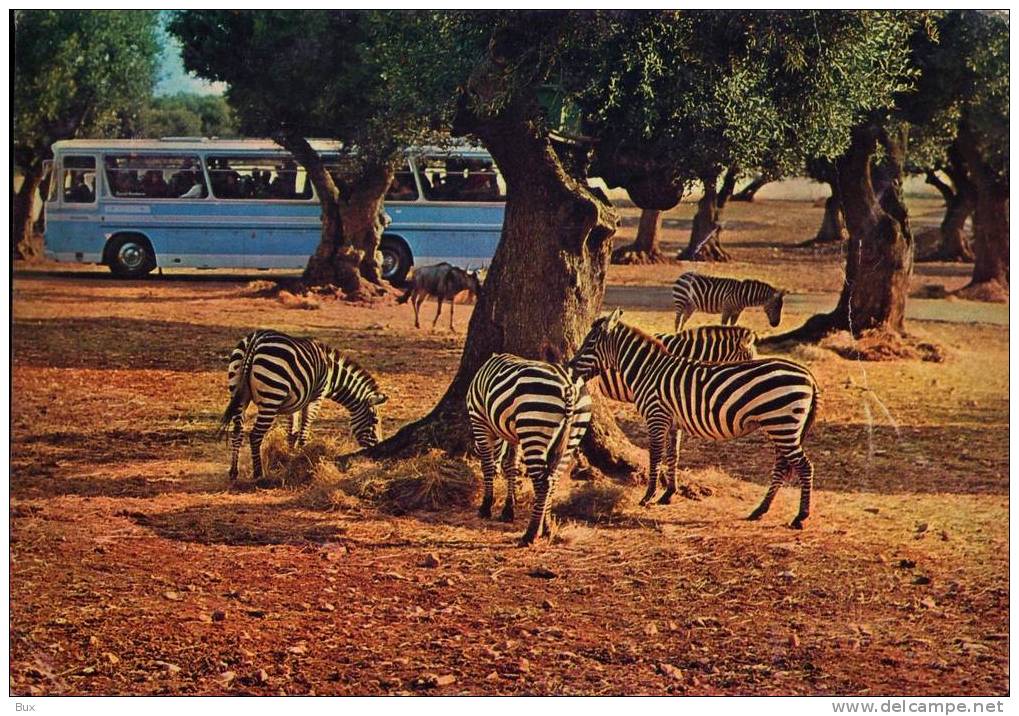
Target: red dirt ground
[{"x": 135, "y": 570}]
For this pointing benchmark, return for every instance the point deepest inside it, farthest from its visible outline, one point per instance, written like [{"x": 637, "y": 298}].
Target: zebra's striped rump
[
  {"x": 714, "y": 344},
  {"x": 540, "y": 410},
  {"x": 727, "y": 296},
  {"x": 713, "y": 401},
  {"x": 285, "y": 375}
]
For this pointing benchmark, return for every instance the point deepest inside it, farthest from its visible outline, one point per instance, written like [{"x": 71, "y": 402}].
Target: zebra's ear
[
  {"x": 614, "y": 319},
  {"x": 378, "y": 399}
]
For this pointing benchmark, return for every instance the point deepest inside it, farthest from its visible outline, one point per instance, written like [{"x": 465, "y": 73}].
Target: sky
[{"x": 172, "y": 76}]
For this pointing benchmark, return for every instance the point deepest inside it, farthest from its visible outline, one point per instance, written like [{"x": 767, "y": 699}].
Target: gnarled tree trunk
[
  {"x": 879, "y": 259},
  {"x": 833, "y": 227},
  {"x": 645, "y": 249},
  {"x": 23, "y": 242},
  {"x": 990, "y": 226},
  {"x": 959, "y": 199},
  {"x": 335, "y": 261},
  {"x": 749, "y": 192},
  {"x": 704, "y": 236},
  {"x": 361, "y": 211},
  {"x": 546, "y": 280}
]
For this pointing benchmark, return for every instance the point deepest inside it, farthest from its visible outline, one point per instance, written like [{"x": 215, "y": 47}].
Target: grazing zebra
[
  {"x": 292, "y": 376},
  {"x": 709, "y": 344},
  {"x": 728, "y": 296},
  {"x": 540, "y": 409},
  {"x": 710, "y": 400}
]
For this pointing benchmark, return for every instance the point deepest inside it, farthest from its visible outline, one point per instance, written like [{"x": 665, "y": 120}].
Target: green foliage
[
  {"x": 78, "y": 72},
  {"x": 185, "y": 115},
  {"x": 964, "y": 67},
  {"x": 761, "y": 90},
  {"x": 314, "y": 71}
]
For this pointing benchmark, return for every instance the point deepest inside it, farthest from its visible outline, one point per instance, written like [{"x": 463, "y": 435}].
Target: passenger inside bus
[
  {"x": 402, "y": 188},
  {"x": 79, "y": 192},
  {"x": 154, "y": 186}
]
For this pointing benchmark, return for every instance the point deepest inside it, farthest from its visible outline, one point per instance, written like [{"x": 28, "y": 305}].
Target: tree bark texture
[
  {"x": 879, "y": 259},
  {"x": 704, "y": 235},
  {"x": 749, "y": 192},
  {"x": 833, "y": 226},
  {"x": 543, "y": 289},
  {"x": 335, "y": 261},
  {"x": 24, "y": 244},
  {"x": 645, "y": 249},
  {"x": 361, "y": 212},
  {"x": 990, "y": 281}
]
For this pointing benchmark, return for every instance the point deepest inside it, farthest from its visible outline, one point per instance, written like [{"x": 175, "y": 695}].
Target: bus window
[
  {"x": 403, "y": 187},
  {"x": 79, "y": 180},
  {"x": 457, "y": 178},
  {"x": 164, "y": 176},
  {"x": 257, "y": 178}
]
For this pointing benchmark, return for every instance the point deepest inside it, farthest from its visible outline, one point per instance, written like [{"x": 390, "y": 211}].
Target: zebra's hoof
[
  {"x": 485, "y": 512},
  {"x": 526, "y": 541},
  {"x": 665, "y": 499},
  {"x": 796, "y": 524},
  {"x": 506, "y": 516},
  {"x": 754, "y": 516}
]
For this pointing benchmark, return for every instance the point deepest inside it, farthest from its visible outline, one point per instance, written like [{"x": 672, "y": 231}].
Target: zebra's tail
[
  {"x": 811, "y": 414},
  {"x": 557, "y": 448},
  {"x": 406, "y": 296},
  {"x": 240, "y": 394}
]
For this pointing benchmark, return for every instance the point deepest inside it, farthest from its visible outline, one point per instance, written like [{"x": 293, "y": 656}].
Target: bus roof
[{"x": 240, "y": 146}]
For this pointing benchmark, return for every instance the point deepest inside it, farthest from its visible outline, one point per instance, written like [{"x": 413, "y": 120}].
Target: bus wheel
[
  {"x": 396, "y": 260},
  {"x": 131, "y": 257}
]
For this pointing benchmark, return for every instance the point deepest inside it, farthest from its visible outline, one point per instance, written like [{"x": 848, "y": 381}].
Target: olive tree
[
  {"x": 292, "y": 75},
  {"x": 76, "y": 72},
  {"x": 711, "y": 97}
]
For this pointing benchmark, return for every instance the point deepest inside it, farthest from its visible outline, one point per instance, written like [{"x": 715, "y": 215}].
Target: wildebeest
[{"x": 444, "y": 281}]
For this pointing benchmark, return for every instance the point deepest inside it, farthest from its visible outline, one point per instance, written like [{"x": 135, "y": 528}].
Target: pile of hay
[
  {"x": 295, "y": 467},
  {"x": 878, "y": 345},
  {"x": 259, "y": 289},
  {"x": 430, "y": 482},
  {"x": 595, "y": 501}
]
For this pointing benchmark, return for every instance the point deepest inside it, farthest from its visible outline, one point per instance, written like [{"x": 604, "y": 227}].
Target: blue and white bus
[{"x": 134, "y": 205}]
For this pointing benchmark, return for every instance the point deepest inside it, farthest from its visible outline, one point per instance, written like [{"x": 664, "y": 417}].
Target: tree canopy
[
  {"x": 77, "y": 72},
  {"x": 184, "y": 115}
]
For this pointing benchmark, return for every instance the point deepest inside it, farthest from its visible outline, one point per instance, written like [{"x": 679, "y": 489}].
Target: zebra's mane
[
  {"x": 356, "y": 370},
  {"x": 767, "y": 288},
  {"x": 642, "y": 334}
]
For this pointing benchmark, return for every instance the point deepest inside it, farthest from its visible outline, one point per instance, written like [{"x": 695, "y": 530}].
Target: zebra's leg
[
  {"x": 734, "y": 317},
  {"x": 683, "y": 314},
  {"x": 658, "y": 429},
  {"x": 805, "y": 471},
  {"x": 308, "y": 416},
  {"x": 235, "y": 445},
  {"x": 485, "y": 447},
  {"x": 541, "y": 493},
  {"x": 510, "y": 471},
  {"x": 565, "y": 467},
  {"x": 778, "y": 473},
  {"x": 671, "y": 451},
  {"x": 437, "y": 313},
  {"x": 264, "y": 421}
]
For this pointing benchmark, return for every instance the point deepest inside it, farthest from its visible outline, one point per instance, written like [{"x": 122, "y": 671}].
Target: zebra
[
  {"x": 713, "y": 401},
  {"x": 711, "y": 344},
  {"x": 292, "y": 376},
  {"x": 539, "y": 409},
  {"x": 728, "y": 296}
]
